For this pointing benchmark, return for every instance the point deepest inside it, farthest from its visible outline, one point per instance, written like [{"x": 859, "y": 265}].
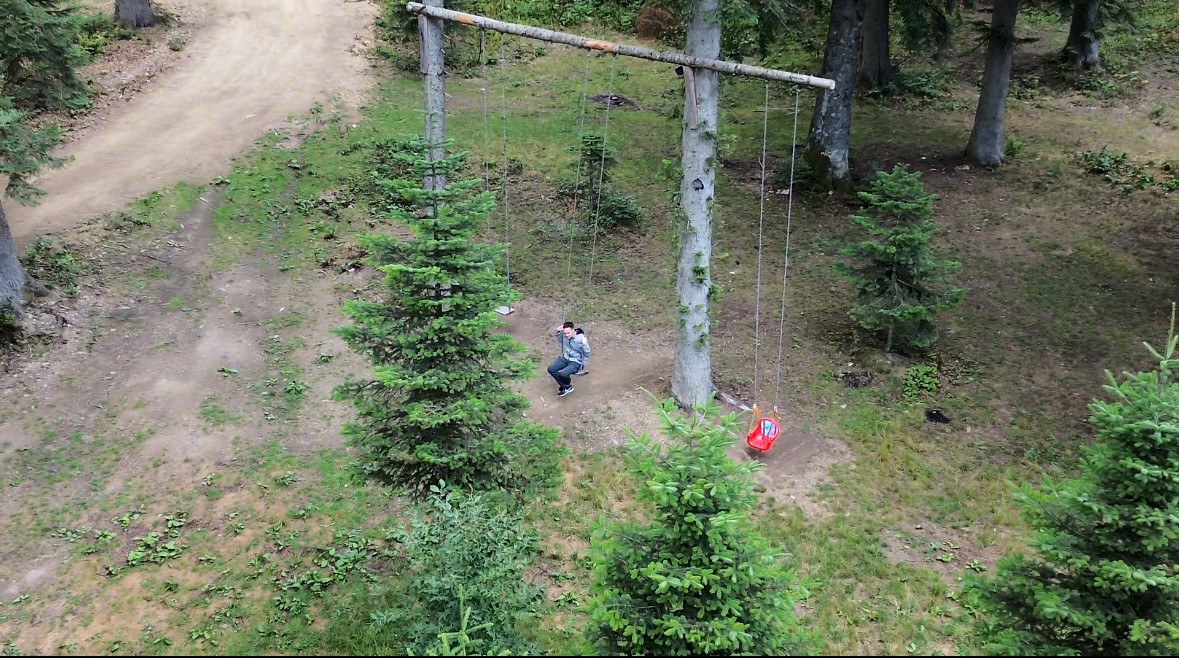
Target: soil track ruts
[{"x": 256, "y": 63}]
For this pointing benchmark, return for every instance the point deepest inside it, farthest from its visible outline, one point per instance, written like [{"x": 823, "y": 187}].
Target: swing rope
[
  {"x": 786, "y": 258},
  {"x": 761, "y": 217},
  {"x": 571, "y": 307},
  {"x": 507, "y": 167},
  {"x": 602, "y": 165},
  {"x": 757, "y": 390},
  {"x": 486, "y": 128}
]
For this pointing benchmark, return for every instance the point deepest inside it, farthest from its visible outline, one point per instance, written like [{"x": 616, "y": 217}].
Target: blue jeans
[{"x": 562, "y": 369}]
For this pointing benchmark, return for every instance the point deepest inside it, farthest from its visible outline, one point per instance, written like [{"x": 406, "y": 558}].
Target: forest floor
[{"x": 179, "y": 380}]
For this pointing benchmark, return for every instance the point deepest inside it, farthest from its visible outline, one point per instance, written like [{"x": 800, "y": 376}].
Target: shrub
[{"x": 465, "y": 554}]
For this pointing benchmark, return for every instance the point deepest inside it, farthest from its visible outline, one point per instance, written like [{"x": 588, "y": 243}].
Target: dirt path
[
  {"x": 256, "y": 63},
  {"x": 613, "y": 402}
]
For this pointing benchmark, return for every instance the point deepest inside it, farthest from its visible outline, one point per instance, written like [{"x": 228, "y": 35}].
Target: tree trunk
[
  {"x": 691, "y": 382},
  {"x": 1083, "y": 48},
  {"x": 830, "y": 134},
  {"x": 433, "y": 66},
  {"x": 12, "y": 275},
  {"x": 986, "y": 139},
  {"x": 875, "y": 60},
  {"x": 134, "y": 14}
]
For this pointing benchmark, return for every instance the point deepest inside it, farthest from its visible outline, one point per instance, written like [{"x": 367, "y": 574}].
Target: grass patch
[
  {"x": 54, "y": 264},
  {"x": 214, "y": 414},
  {"x": 161, "y": 210}
]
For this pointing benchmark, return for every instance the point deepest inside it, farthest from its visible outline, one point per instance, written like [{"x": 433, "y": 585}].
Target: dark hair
[
  {"x": 567, "y": 325},
  {"x": 580, "y": 332}
]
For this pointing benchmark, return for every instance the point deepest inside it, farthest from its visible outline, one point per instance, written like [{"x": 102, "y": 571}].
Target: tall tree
[
  {"x": 134, "y": 14},
  {"x": 924, "y": 27},
  {"x": 987, "y": 137},
  {"x": 38, "y": 58},
  {"x": 1083, "y": 47},
  {"x": 1105, "y": 581},
  {"x": 23, "y": 151},
  {"x": 1087, "y": 21},
  {"x": 438, "y": 405},
  {"x": 830, "y": 133},
  {"x": 875, "y": 59},
  {"x": 691, "y": 382},
  {"x": 694, "y": 578}
]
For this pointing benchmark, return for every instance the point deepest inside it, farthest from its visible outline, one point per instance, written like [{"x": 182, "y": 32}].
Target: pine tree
[
  {"x": 438, "y": 406},
  {"x": 696, "y": 579},
  {"x": 897, "y": 282},
  {"x": 1106, "y": 581},
  {"x": 39, "y": 55}
]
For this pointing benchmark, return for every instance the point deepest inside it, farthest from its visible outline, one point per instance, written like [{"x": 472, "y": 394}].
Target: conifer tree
[
  {"x": 438, "y": 406},
  {"x": 466, "y": 562},
  {"x": 899, "y": 287},
  {"x": 696, "y": 579},
  {"x": 39, "y": 55},
  {"x": 1105, "y": 577}
]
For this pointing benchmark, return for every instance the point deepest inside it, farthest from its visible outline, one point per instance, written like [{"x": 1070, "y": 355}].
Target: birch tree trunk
[
  {"x": 986, "y": 139},
  {"x": 692, "y": 380},
  {"x": 830, "y": 134},
  {"x": 433, "y": 66}
]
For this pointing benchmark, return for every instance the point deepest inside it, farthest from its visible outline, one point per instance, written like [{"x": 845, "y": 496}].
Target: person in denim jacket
[{"x": 575, "y": 352}]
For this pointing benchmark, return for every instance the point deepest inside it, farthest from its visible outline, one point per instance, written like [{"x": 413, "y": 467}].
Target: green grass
[{"x": 214, "y": 414}]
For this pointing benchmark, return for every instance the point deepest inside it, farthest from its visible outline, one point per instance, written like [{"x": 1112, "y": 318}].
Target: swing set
[{"x": 765, "y": 426}]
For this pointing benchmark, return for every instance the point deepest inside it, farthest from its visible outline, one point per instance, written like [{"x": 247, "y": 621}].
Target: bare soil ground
[
  {"x": 247, "y": 66},
  {"x": 157, "y": 374},
  {"x": 147, "y": 382}
]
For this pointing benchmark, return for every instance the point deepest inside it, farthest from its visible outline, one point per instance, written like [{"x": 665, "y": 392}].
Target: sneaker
[{"x": 565, "y": 391}]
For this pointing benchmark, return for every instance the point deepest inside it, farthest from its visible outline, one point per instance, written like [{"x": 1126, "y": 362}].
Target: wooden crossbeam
[{"x": 667, "y": 57}]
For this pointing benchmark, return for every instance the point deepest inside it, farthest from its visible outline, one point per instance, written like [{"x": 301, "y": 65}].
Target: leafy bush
[
  {"x": 52, "y": 263},
  {"x": 1118, "y": 170},
  {"x": 1103, "y": 162},
  {"x": 97, "y": 30},
  {"x": 920, "y": 87},
  {"x": 1014, "y": 147},
  {"x": 696, "y": 579},
  {"x": 921, "y": 379},
  {"x": 603, "y": 209},
  {"x": 10, "y": 327},
  {"x": 615, "y": 210},
  {"x": 464, "y": 553}
]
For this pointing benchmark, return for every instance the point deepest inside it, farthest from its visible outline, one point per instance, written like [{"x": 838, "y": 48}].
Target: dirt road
[{"x": 256, "y": 63}]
